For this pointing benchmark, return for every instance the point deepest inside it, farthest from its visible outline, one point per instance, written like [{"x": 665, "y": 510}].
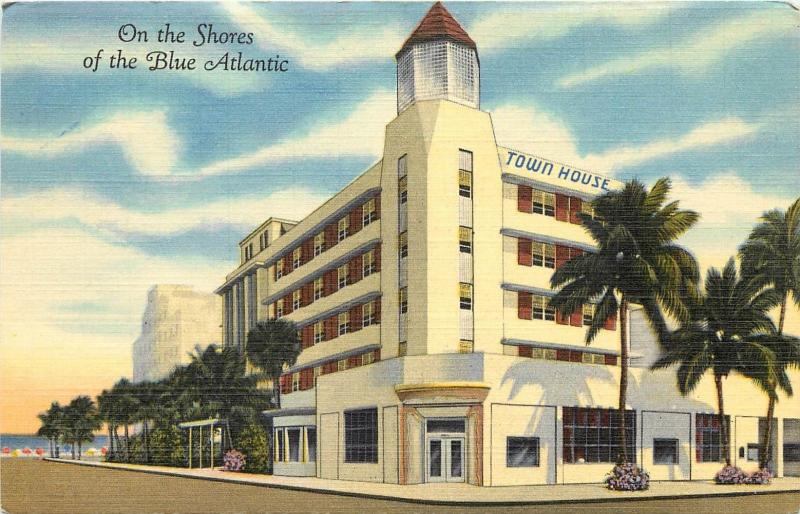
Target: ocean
[{"x": 18, "y": 441}]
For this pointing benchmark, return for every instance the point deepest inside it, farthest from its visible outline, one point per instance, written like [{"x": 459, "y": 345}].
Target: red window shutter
[
  {"x": 286, "y": 384},
  {"x": 378, "y": 207},
  {"x": 354, "y": 361},
  {"x": 310, "y": 334},
  {"x": 576, "y": 318},
  {"x": 611, "y": 360},
  {"x": 307, "y": 378},
  {"x": 376, "y": 355},
  {"x": 611, "y": 323},
  {"x": 287, "y": 304},
  {"x": 331, "y": 328},
  {"x": 524, "y": 252},
  {"x": 329, "y": 282},
  {"x": 561, "y": 320},
  {"x": 355, "y": 318},
  {"x": 376, "y": 310},
  {"x": 331, "y": 236},
  {"x": 575, "y": 356},
  {"x": 562, "y": 207},
  {"x": 307, "y": 250},
  {"x": 562, "y": 355},
  {"x": 377, "y": 252},
  {"x": 524, "y": 305},
  {"x": 524, "y": 199},
  {"x": 275, "y": 271},
  {"x": 355, "y": 219},
  {"x": 287, "y": 263},
  {"x": 356, "y": 270},
  {"x": 304, "y": 338},
  {"x": 574, "y": 252},
  {"x": 574, "y": 209},
  {"x": 525, "y": 351},
  {"x": 309, "y": 289},
  {"x": 562, "y": 255}
]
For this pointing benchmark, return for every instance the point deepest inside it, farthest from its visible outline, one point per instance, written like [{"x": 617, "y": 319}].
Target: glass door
[
  {"x": 445, "y": 459},
  {"x": 455, "y": 460}
]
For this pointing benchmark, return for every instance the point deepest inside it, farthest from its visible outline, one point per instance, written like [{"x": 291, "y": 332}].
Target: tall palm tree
[
  {"x": 82, "y": 420},
  {"x": 723, "y": 334},
  {"x": 148, "y": 409},
  {"x": 771, "y": 376},
  {"x": 771, "y": 257},
  {"x": 51, "y": 427},
  {"x": 636, "y": 261},
  {"x": 271, "y": 345},
  {"x": 127, "y": 406},
  {"x": 108, "y": 411}
]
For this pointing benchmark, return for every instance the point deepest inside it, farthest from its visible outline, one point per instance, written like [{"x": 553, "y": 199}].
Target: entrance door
[{"x": 445, "y": 457}]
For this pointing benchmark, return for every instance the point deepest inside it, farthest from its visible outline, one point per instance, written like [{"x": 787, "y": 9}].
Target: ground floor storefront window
[
  {"x": 361, "y": 435},
  {"x": 592, "y": 435},
  {"x": 295, "y": 444},
  {"x": 708, "y": 434}
]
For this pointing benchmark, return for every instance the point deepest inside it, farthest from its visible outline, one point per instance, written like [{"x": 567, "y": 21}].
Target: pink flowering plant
[
  {"x": 627, "y": 477},
  {"x": 733, "y": 475},
  {"x": 234, "y": 460}
]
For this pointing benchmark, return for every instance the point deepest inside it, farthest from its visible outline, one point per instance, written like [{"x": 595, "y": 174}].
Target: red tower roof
[{"x": 438, "y": 23}]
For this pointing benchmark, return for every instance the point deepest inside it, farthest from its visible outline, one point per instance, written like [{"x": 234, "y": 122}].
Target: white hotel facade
[{"x": 420, "y": 291}]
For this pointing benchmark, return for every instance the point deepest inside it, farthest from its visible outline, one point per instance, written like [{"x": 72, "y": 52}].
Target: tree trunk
[
  {"x": 72, "y": 446},
  {"x": 782, "y": 316},
  {"x": 277, "y": 388},
  {"x": 127, "y": 444},
  {"x": 146, "y": 441},
  {"x": 766, "y": 442},
  {"x": 110, "y": 441},
  {"x": 623, "y": 377},
  {"x": 723, "y": 428},
  {"x": 80, "y": 448}
]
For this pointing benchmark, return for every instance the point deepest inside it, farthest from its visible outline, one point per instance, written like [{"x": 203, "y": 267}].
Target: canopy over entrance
[{"x": 213, "y": 437}]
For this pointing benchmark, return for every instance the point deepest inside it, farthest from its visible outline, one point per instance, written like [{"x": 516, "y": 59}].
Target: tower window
[
  {"x": 465, "y": 184},
  {"x": 543, "y": 254},
  {"x": 401, "y": 167},
  {"x": 295, "y": 300},
  {"x": 544, "y": 203},
  {"x": 403, "y": 300},
  {"x": 368, "y": 264},
  {"x": 342, "y": 276},
  {"x": 402, "y": 188},
  {"x": 465, "y": 295},
  {"x": 319, "y": 288},
  {"x": 465, "y": 160},
  {"x": 344, "y": 323},
  {"x": 403, "y": 245},
  {"x": 319, "y": 243},
  {"x": 464, "y": 240},
  {"x": 342, "y": 228},
  {"x": 369, "y": 214},
  {"x": 319, "y": 332},
  {"x": 296, "y": 253}
]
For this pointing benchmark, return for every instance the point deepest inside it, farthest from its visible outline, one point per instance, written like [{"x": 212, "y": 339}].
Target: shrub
[
  {"x": 730, "y": 475},
  {"x": 234, "y": 461},
  {"x": 627, "y": 477},
  {"x": 760, "y": 477},
  {"x": 167, "y": 446},
  {"x": 252, "y": 442}
]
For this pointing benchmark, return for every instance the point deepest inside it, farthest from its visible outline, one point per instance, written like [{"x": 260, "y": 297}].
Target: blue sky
[{"x": 115, "y": 180}]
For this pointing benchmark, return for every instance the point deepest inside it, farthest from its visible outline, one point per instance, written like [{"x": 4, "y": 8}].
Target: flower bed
[
  {"x": 234, "y": 460},
  {"x": 732, "y": 475},
  {"x": 627, "y": 477}
]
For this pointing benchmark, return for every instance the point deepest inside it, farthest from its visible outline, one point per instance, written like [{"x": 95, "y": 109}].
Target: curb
[{"x": 452, "y": 503}]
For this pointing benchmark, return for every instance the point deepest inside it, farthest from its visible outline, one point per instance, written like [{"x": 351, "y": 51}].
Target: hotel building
[{"x": 429, "y": 352}]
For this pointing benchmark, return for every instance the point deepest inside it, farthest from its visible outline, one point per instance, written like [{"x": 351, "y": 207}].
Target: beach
[{"x": 35, "y": 486}]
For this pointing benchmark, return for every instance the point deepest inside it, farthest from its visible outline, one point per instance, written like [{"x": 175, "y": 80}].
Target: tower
[{"x": 438, "y": 61}]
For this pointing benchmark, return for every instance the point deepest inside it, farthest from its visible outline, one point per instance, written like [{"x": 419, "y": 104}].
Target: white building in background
[{"x": 176, "y": 320}]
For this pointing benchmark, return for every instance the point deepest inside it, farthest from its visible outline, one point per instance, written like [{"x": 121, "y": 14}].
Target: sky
[{"x": 117, "y": 179}]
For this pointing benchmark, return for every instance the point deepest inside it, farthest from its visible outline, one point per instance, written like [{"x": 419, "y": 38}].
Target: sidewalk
[{"x": 463, "y": 494}]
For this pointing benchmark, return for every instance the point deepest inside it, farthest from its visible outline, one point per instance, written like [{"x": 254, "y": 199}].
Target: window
[
  {"x": 296, "y": 300},
  {"x": 543, "y": 254},
  {"x": 752, "y": 452},
  {"x": 263, "y": 240},
  {"x": 540, "y": 308},
  {"x": 319, "y": 288},
  {"x": 591, "y": 434},
  {"x": 586, "y": 208},
  {"x": 367, "y": 358},
  {"x": 791, "y": 452},
  {"x": 368, "y": 263},
  {"x": 319, "y": 243},
  {"x": 367, "y": 314},
  {"x": 665, "y": 451},
  {"x": 295, "y": 381},
  {"x": 402, "y": 190},
  {"x": 445, "y": 426},
  {"x": 296, "y": 253},
  {"x": 465, "y": 346},
  {"x": 368, "y": 212},
  {"x": 588, "y": 314},
  {"x": 319, "y": 332},
  {"x": 465, "y": 184},
  {"x": 342, "y": 228},
  {"x": 403, "y": 300},
  {"x": 465, "y": 296},
  {"x": 522, "y": 452},
  {"x": 341, "y": 365},
  {"x": 279, "y": 308},
  {"x": 280, "y": 452},
  {"x": 248, "y": 252},
  {"x": 465, "y": 160},
  {"x": 342, "y": 275},
  {"x": 293, "y": 435},
  {"x": 464, "y": 240},
  {"x": 361, "y": 435},
  {"x": 311, "y": 438},
  {"x": 403, "y": 245},
  {"x": 709, "y": 437},
  {"x": 278, "y": 270},
  {"x": 544, "y": 203},
  {"x": 401, "y": 166},
  {"x": 402, "y": 348},
  {"x": 344, "y": 323}
]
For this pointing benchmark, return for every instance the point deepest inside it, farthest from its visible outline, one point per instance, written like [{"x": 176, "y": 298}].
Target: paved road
[{"x": 48, "y": 487}]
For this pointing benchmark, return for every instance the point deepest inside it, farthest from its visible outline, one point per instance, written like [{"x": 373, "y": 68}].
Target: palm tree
[
  {"x": 82, "y": 420},
  {"x": 771, "y": 375},
  {"x": 51, "y": 427},
  {"x": 148, "y": 409},
  {"x": 127, "y": 407},
  {"x": 271, "y": 345},
  {"x": 723, "y": 335},
  {"x": 109, "y": 414},
  {"x": 771, "y": 257},
  {"x": 636, "y": 262}
]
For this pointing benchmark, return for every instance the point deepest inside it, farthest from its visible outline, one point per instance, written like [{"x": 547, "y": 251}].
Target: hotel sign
[{"x": 554, "y": 173}]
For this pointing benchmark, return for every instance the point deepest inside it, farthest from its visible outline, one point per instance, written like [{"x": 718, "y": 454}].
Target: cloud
[
  {"x": 529, "y": 128},
  {"x": 361, "y": 134},
  {"x": 515, "y": 24},
  {"x": 241, "y": 212},
  {"x": 694, "y": 55},
  {"x": 355, "y": 47},
  {"x": 145, "y": 138}
]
